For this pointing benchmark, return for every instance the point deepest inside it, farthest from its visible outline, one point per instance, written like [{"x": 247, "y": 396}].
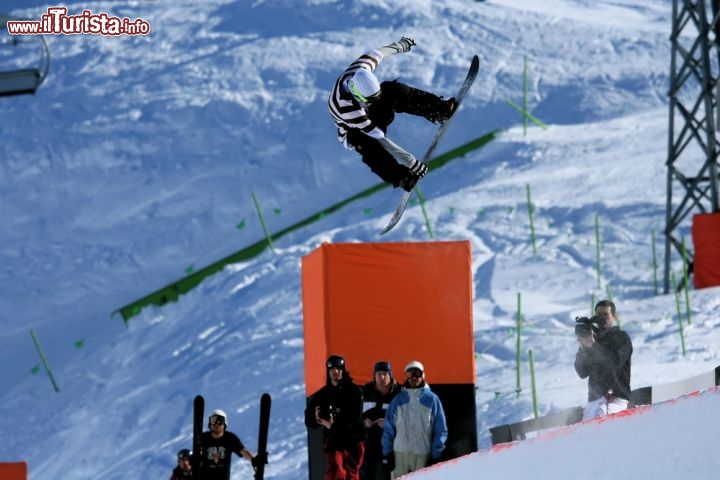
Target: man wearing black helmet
[
  {"x": 183, "y": 471},
  {"x": 337, "y": 409},
  {"x": 218, "y": 445}
]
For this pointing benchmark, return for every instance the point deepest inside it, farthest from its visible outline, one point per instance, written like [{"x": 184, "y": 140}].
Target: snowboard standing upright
[
  {"x": 265, "y": 403},
  {"x": 198, "y": 417},
  {"x": 469, "y": 79}
]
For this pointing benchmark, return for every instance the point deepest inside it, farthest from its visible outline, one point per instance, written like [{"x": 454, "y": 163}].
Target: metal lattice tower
[{"x": 694, "y": 144}]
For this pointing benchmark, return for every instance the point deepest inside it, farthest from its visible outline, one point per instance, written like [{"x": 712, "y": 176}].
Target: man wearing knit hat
[
  {"x": 377, "y": 396},
  {"x": 336, "y": 409},
  {"x": 415, "y": 429},
  {"x": 363, "y": 109}
]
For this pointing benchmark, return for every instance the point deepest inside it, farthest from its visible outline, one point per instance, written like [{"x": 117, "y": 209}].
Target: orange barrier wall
[
  {"x": 389, "y": 301},
  {"x": 13, "y": 471},
  {"x": 706, "y": 241}
]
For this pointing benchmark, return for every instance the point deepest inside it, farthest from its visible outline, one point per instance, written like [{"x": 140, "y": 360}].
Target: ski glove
[
  {"x": 406, "y": 44},
  {"x": 402, "y": 45},
  {"x": 418, "y": 169},
  {"x": 259, "y": 459},
  {"x": 388, "y": 462}
]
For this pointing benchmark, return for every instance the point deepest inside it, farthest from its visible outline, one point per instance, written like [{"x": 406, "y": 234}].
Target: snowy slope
[{"x": 138, "y": 158}]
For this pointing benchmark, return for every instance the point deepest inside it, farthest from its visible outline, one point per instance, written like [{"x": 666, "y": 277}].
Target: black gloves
[
  {"x": 388, "y": 462},
  {"x": 259, "y": 459}
]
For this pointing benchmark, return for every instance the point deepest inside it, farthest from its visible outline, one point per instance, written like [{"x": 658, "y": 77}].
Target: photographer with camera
[
  {"x": 337, "y": 408},
  {"x": 603, "y": 357}
]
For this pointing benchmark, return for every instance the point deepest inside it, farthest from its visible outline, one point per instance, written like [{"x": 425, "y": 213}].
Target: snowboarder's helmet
[
  {"x": 364, "y": 86},
  {"x": 184, "y": 453},
  {"x": 217, "y": 417},
  {"x": 335, "y": 361}
]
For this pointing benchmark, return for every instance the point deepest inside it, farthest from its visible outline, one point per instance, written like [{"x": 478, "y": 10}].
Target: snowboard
[
  {"x": 467, "y": 83},
  {"x": 265, "y": 403},
  {"x": 198, "y": 417}
]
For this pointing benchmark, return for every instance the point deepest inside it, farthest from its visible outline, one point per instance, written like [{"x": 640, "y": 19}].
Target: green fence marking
[
  {"x": 686, "y": 281},
  {"x": 44, "y": 361},
  {"x": 654, "y": 263},
  {"x": 525, "y": 90},
  {"x": 535, "y": 120},
  {"x": 531, "y": 211},
  {"x": 268, "y": 237},
  {"x": 518, "y": 353},
  {"x": 532, "y": 383},
  {"x": 421, "y": 197},
  {"x": 240, "y": 225},
  {"x": 679, "y": 311}
]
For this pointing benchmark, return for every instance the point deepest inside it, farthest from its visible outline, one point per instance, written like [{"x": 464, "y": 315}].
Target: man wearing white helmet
[
  {"x": 415, "y": 430},
  {"x": 218, "y": 445},
  {"x": 363, "y": 108}
]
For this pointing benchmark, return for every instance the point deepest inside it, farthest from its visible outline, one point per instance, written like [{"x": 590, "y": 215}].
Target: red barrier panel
[
  {"x": 398, "y": 301},
  {"x": 13, "y": 471},
  {"x": 706, "y": 240}
]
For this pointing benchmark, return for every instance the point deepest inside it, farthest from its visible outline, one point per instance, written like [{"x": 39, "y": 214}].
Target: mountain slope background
[{"x": 137, "y": 160}]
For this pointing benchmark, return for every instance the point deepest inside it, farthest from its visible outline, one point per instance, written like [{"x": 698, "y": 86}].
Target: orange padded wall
[
  {"x": 706, "y": 241},
  {"x": 389, "y": 301},
  {"x": 13, "y": 471}
]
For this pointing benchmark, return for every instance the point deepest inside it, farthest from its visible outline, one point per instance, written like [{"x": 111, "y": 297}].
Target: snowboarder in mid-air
[{"x": 363, "y": 108}]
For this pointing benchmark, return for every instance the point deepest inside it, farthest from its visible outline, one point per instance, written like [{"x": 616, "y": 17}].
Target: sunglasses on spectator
[
  {"x": 217, "y": 420},
  {"x": 414, "y": 372}
]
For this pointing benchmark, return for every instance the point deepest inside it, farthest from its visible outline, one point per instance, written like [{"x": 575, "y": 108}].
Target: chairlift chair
[{"x": 22, "y": 81}]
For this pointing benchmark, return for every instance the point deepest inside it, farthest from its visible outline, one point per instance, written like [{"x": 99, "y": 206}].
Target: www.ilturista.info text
[{"x": 57, "y": 22}]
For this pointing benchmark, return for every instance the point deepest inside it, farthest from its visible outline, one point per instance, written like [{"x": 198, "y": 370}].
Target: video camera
[
  {"x": 584, "y": 326},
  {"x": 326, "y": 411}
]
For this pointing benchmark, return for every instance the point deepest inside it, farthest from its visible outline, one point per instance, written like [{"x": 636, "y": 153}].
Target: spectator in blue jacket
[{"x": 415, "y": 430}]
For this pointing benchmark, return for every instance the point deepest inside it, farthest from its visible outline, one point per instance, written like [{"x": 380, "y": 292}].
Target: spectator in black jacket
[
  {"x": 218, "y": 445},
  {"x": 377, "y": 395},
  {"x": 337, "y": 409},
  {"x": 603, "y": 357}
]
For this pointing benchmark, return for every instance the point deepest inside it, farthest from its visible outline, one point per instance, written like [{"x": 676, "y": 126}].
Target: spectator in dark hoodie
[
  {"x": 337, "y": 409},
  {"x": 377, "y": 396}
]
